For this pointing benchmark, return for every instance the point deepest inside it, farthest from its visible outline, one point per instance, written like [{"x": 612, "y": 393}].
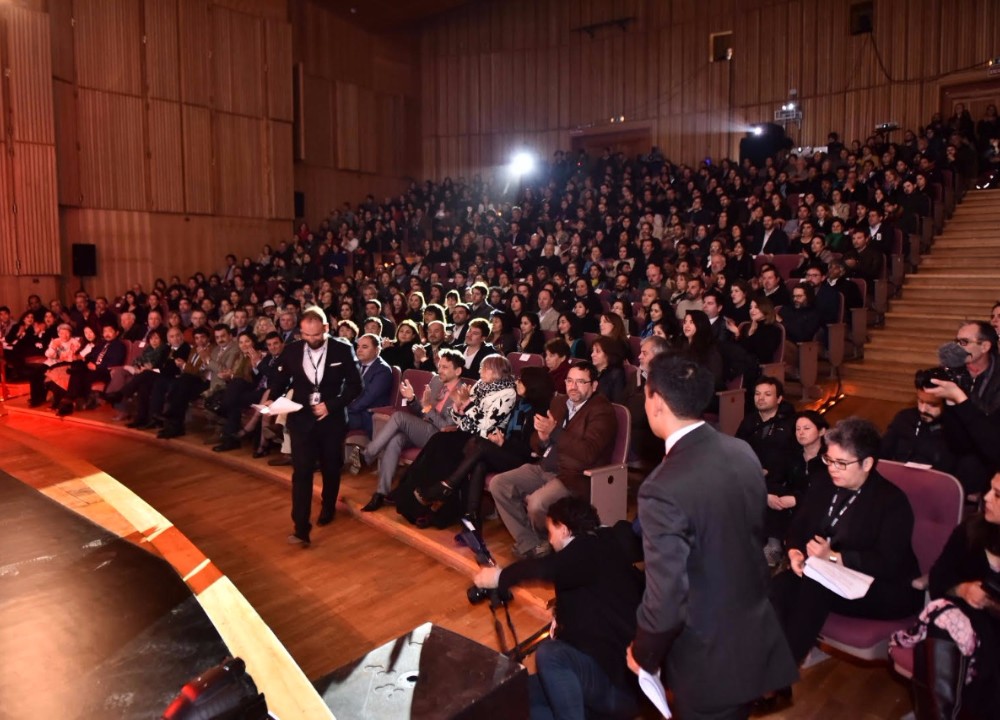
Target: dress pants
[
  {"x": 803, "y": 604},
  {"x": 323, "y": 441},
  {"x": 523, "y": 496},
  {"x": 238, "y": 395},
  {"x": 480, "y": 458},
  {"x": 184, "y": 389},
  {"x": 360, "y": 420},
  {"x": 81, "y": 378},
  {"x": 571, "y": 685},
  {"x": 402, "y": 431},
  {"x": 140, "y": 385}
]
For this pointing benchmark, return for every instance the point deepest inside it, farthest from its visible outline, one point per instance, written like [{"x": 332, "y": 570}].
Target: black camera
[
  {"x": 922, "y": 379},
  {"x": 477, "y": 594},
  {"x": 952, "y": 368}
]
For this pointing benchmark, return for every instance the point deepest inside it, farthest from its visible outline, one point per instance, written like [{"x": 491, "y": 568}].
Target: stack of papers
[
  {"x": 279, "y": 407},
  {"x": 652, "y": 687},
  {"x": 847, "y": 583}
]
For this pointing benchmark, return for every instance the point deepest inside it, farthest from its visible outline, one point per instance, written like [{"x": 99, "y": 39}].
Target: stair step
[
  {"x": 945, "y": 292},
  {"x": 955, "y": 279},
  {"x": 978, "y": 266},
  {"x": 916, "y": 358}
]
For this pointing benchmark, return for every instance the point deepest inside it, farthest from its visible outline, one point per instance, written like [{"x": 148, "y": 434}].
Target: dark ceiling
[{"x": 391, "y": 15}]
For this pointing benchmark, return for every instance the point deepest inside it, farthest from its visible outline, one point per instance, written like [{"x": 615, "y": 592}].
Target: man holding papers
[
  {"x": 705, "y": 618},
  {"x": 858, "y": 520},
  {"x": 324, "y": 376}
]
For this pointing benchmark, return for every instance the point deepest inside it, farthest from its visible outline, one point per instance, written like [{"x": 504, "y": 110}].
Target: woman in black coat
[
  {"x": 608, "y": 357},
  {"x": 763, "y": 338},
  {"x": 532, "y": 338},
  {"x": 859, "y": 520}
]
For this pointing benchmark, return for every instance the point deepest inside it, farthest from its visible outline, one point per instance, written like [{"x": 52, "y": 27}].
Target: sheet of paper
[
  {"x": 847, "y": 583},
  {"x": 652, "y": 687},
  {"x": 280, "y": 406}
]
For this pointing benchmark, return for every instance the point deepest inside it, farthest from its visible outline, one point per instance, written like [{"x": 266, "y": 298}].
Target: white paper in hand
[
  {"x": 847, "y": 583},
  {"x": 652, "y": 687},
  {"x": 280, "y": 406}
]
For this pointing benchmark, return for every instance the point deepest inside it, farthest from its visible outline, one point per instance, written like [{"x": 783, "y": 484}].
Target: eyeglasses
[
  {"x": 571, "y": 381},
  {"x": 965, "y": 342},
  {"x": 838, "y": 464}
]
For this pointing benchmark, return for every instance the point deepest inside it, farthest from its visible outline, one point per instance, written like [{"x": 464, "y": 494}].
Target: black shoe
[
  {"x": 169, "y": 432},
  {"x": 137, "y": 424},
  {"x": 228, "y": 443},
  {"x": 377, "y": 501},
  {"x": 262, "y": 451},
  {"x": 300, "y": 540},
  {"x": 64, "y": 409},
  {"x": 282, "y": 459},
  {"x": 35, "y": 403},
  {"x": 326, "y": 516}
]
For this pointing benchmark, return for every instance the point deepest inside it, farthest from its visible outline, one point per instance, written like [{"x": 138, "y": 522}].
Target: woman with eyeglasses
[{"x": 857, "y": 519}]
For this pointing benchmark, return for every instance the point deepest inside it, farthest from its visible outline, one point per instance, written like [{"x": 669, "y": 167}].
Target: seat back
[
  {"x": 635, "y": 345},
  {"x": 394, "y": 392},
  {"x": 588, "y": 339},
  {"x": 132, "y": 351},
  {"x": 519, "y": 361},
  {"x": 785, "y": 263},
  {"x": 631, "y": 371},
  {"x": 619, "y": 454},
  {"x": 936, "y": 499},
  {"x": 419, "y": 379},
  {"x": 760, "y": 261}
]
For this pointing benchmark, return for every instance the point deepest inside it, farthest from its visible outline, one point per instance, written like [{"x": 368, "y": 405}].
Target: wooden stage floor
[{"x": 364, "y": 581}]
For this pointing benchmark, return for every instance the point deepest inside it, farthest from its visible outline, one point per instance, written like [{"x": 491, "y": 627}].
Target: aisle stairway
[{"x": 958, "y": 280}]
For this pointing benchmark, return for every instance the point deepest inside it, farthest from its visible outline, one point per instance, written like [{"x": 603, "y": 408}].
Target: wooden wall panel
[
  {"x": 346, "y": 112},
  {"x": 196, "y": 44},
  {"x": 63, "y": 44},
  {"x": 280, "y": 173},
  {"x": 8, "y": 237},
  {"x": 197, "y": 131},
  {"x": 278, "y": 48},
  {"x": 248, "y": 66},
  {"x": 37, "y": 218},
  {"x": 162, "y": 49},
  {"x": 319, "y": 121},
  {"x": 108, "y": 41},
  {"x": 67, "y": 142},
  {"x": 222, "y": 59},
  {"x": 166, "y": 176},
  {"x": 30, "y": 73},
  {"x": 238, "y": 172},
  {"x": 112, "y": 157},
  {"x": 505, "y": 69}
]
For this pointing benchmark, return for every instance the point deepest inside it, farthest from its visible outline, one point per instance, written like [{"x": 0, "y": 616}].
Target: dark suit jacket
[
  {"x": 777, "y": 244},
  {"x": 340, "y": 385},
  {"x": 472, "y": 371},
  {"x": 585, "y": 442},
  {"x": 378, "y": 384},
  {"x": 705, "y": 617}
]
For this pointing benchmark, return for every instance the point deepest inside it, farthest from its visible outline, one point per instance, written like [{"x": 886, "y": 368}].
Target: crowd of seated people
[{"x": 596, "y": 267}]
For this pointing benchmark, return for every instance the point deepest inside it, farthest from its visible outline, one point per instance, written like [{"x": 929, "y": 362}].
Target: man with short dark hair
[
  {"x": 377, "y": 376},
  {"x": 705, "y": 614},
  {"x": 460, "y": 324},
  {"x": 770, "y": 430},
  {"x": 772, "y": 286},
  {"x": 479, "y": 307},
  {"x": 413, "y": 426},
  {"x": 475, "y": 347},
  {"x": 577, "y": 433},
  {"x": 111, "y": 353},
  {"x": 864, "y": 261},
  {"x": 917, "y": 435}
]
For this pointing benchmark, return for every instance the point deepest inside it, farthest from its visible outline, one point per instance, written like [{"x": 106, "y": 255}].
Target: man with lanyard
[{"x": 325, "y": 377}]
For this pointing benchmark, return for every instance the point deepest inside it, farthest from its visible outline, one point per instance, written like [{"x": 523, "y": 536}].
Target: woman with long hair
[
  {"x": 502, "y": 332},
  {"x": 763, "y": 337},
  {"x": 532, "y": 338},
  {"x": 699, "y": 344},
  {"x": 399, "y": 352},
  {"x": 608, "y": 357},
  {"x": 569, "y": 328}
]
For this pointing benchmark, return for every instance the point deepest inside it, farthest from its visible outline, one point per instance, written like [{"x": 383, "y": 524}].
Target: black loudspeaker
[
  {"x": 84, "y": 260},
  {"x": 300, "y": 205}
]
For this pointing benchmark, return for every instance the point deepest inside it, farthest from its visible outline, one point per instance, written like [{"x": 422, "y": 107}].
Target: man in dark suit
[
  {"x": 325, "y": 377},
  {"x": 864, "y": 261},
  {"x": 378, "y": 384},
  {"x": 475, "y": 347},
  {"x": 771, "y": 239},
  {"x": 705, "y": 617}
]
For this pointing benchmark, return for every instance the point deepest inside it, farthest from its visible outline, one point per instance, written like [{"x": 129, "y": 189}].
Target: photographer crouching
[
  {"x": 969, "y": 383},
  {"x": 580, "y": 667}
]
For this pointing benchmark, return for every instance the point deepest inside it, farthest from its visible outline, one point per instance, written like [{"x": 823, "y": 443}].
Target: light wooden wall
[
  {"x": 497, "y": 75},
  {"x": 360, "y": 116},
  {"x": 158, "y": 130}
]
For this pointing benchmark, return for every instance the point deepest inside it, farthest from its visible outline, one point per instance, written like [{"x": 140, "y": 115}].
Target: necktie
[{"x": 100, "y": 355}]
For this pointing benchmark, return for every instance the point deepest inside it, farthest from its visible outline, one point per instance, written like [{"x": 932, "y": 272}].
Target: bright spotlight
[
  {"x": 523, "y": 163},
  {"x": 757, "y": 130}
]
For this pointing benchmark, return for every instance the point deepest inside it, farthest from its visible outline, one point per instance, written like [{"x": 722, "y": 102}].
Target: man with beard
[
  {"x": 325, "y": 377},
  {"x": 917, "y": 434}
]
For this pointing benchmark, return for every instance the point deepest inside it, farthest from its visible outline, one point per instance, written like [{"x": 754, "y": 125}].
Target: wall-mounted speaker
[{"x": 84, "y": 260}]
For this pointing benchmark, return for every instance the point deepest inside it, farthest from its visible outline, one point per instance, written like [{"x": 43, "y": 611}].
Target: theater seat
[{"x": 936, "y": 499}]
